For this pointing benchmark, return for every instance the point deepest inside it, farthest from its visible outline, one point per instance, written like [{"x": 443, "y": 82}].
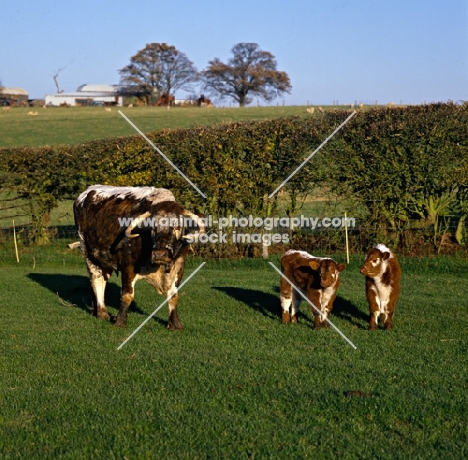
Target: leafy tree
[
  {"x": 158, "y": 69},
  {"x": 250, "y": 72}
]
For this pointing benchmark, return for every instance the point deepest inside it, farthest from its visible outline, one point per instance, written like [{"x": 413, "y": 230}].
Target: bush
[{"x": 398, "y": 166}]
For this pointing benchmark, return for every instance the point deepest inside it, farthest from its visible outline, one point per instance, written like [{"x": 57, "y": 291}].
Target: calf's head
[
  {"x": 328, "y": 270},
  {"x": 375, "y": 258}
]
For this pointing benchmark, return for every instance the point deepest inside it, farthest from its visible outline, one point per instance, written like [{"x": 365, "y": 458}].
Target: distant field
[{"x": 74, "y": 125}]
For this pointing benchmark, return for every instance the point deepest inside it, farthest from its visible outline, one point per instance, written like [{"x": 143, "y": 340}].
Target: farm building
[
  {"x": 13, "y": 96},
  {"x": 88, "y": 95}
]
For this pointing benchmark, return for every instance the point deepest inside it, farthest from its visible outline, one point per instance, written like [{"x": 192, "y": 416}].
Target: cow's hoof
[
  {"x": 102, "y": 315},
  {"x": 120, "y": 323},
  {"x": 285, "y": 319},
  {"x": 174, "y": 327},
  {"x": 294, "y": 319},
  {"x": 388, "y": 327},
  {"x": 373, "y": 327}
]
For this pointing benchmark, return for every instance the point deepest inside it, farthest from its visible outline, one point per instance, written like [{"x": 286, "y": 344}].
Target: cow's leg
[
  {"x": 295, "y": 305},
  {"x": 317, "y": 320},
  {"x": 324, "y": 317},
  {"x": 314, "y": 297},
  {"x": 128, "y": 284},
  {"x": 286, "y": 300},
  {"x": 374, "y": 310},
  {"x": 388, "y": 320},
  {"x": 98, "y": 283},
  {"x": 173, "y": 299},
  {"x": 285, "y": 305},
  {"x": 326, "y": 309}
]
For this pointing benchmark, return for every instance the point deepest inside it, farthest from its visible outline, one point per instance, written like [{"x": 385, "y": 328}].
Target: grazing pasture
[
  {"x": 75, "y": 125},
  {"x": 236, "y": 383}
]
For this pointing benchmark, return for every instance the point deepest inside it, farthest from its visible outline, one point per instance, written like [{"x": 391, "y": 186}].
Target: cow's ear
[
  {"x": 341, "y": 267},
  {"x": 314, "y": 264},
  {"x": 385, "y": 255}
]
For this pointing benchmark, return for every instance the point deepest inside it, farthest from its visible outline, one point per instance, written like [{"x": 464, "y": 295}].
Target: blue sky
[{"x": 409, "y": 51}]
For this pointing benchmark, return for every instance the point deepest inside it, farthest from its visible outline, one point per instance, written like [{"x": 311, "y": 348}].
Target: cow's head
[
  {"x": 372, "y": 266},
  {"x": 172, "y": 228},
  {"x": 328, "y": 270}
]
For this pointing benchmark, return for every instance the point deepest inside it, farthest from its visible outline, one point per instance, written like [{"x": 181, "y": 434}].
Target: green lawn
[{"x": 236, "y": 383}]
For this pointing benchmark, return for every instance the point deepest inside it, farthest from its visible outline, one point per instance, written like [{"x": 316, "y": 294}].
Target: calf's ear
[
  {"x": 314, "y": 264},
  {"x": 385, "y": 255},
  {"x": 341, "y": 267}
]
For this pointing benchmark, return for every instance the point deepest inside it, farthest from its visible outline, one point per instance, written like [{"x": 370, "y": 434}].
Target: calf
[
  {"x": 316, "y": 277},
  {"x": 383, "y": 274}
]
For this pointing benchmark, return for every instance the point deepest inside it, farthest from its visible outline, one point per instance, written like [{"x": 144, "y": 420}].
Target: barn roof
[
  {"x": 97, "y": 88},
  {"x": 13, "y": 91}
]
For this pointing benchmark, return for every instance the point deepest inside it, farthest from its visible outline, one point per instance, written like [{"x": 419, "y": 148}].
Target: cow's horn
[
  {"x": 199, "y": 221},
  {"x": 135, "y": 223}
]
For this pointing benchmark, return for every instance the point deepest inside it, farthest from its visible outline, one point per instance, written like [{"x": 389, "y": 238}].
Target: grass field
[
  {"x": 236, "y": 383},
  {"x": 74, "y": 125}
]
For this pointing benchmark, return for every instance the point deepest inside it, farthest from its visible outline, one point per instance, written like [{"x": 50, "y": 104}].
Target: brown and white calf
[
  {"x": 383, "y": 274},
  {"x": 317, "y": 278}
]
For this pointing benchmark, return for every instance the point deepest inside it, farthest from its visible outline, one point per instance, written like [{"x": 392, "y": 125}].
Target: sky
[{"x": 334, "y": 51}]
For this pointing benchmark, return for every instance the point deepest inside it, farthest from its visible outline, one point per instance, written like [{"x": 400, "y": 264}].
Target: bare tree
[
  {"x": 159, "y": 69},
  {"x": 250, "y": 72},
  {"x": 55, "y": 76}
]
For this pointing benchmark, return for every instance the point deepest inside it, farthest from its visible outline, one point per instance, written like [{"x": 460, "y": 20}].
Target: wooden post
[
  {"x": 346, "y": 236},
  {"x": 16, "y": 245}
]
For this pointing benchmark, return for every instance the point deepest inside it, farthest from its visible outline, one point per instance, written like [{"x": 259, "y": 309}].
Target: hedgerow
[{"x": 398, "y": 166}]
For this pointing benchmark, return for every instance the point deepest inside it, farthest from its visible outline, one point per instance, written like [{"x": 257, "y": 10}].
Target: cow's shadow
[
  {"x": 76, "y": 291},
  {"x": 346, "y": 310},
  {"x": 265, "y": 303},
  {"x": 269, "y": 305}
]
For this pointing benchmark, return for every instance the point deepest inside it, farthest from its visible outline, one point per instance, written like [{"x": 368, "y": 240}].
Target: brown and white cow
[
  {"x": 141, "y": 232},
  {"x": 317, "y": 278},
  {"x": 383, "y": 274}
]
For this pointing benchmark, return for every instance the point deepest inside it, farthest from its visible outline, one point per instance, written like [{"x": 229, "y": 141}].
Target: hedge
[{"x": 398, "y": 166}]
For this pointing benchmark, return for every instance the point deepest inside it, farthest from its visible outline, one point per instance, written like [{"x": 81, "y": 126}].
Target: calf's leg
[
  {"x": 374, "y": 310},
  {"x": 286, "y": 300},
  {"x": 296, "y": 302},
  {"x": 388, "y": 321}
]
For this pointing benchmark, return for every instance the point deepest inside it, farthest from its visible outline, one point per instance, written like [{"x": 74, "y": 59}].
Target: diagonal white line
[
  {"x": 313, "y": 153},
  {"x": 312, "y": 305},
  {"x": 162, "y": 154},
  {"x": 157, "y": 309}
]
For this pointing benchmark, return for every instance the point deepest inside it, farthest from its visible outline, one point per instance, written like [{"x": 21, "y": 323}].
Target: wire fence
[{"x": 418, "y": 242}]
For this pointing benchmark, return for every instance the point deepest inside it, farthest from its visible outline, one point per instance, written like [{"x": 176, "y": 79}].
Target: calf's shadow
[
  {"x": 269, "y": 305},
  {"x": 265, "y": 303}
]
